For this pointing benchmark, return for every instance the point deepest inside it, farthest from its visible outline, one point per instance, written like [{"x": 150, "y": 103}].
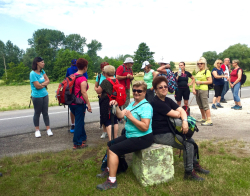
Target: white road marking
[{"x": 33, "y": 115}]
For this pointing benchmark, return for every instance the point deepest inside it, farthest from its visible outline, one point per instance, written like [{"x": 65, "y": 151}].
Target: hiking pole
[
  {"x": 112, "y": 121},
  {"x": 68, "y": 120}
]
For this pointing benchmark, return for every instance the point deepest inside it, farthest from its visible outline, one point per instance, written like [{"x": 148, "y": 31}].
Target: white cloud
[{"x": 176, "y": 30}]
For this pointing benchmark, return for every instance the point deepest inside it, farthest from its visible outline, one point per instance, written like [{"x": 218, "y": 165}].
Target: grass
[{"x": 73, "y": 173}]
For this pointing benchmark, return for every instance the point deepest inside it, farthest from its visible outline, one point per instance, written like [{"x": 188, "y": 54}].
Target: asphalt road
[{"x": 21, "y": 121}]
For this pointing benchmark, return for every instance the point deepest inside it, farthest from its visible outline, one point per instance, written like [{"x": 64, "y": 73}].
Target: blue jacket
[{"x": 72, "y": 70}]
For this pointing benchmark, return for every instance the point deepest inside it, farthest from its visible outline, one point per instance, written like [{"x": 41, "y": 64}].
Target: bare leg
[
  {"x": 208, "y": 114},
  {"x": 214, "y": 100},
  {"x": 179, "y": 103},
  {"x": 113, "y": 162},
  {"x": 72, "y": 117},
  {"x": 108, "y": 128},
  {"x": 203, "y": 114},
  {"x": 238, "y": 103},
  {"x": 218, "y": 99},
  {"x": 37, "y": 128},
  {"x": 186, "y": 102}
]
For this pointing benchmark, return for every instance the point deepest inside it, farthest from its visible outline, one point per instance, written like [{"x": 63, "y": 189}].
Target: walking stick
[{"x": 68, "y": 120}]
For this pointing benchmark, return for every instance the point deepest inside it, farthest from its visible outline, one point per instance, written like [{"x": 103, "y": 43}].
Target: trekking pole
[
  {"x": 112, "y": 121},
  {"x": 68, "y": 120}
]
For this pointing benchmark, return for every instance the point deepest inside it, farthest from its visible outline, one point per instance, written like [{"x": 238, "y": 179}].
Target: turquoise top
[
  {"x": 37, "y": 93},
  {"x": 101, "y": 79},
  {"x": 141, "y": 111},
  {"x": 148, "y": 78}
]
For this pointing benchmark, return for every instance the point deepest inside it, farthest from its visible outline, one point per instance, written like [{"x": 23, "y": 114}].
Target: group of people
[{"x": 146, "y": 117}]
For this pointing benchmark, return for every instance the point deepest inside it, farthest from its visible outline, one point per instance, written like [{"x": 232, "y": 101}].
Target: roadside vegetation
[{"x": 73, "y": 173}]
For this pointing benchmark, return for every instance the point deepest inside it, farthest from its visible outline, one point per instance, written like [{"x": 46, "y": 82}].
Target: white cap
[
  {"x": 128, "y": 60},
  {"x": 162, "y": 61},
  {"x": 144, "y": 64}
]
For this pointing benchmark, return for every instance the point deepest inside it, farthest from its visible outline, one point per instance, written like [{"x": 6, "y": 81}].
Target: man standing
[
  {"x": 124, "y": 74},
  {"x": 225, "y": 67},
  {"x": 71, "y": 70}
]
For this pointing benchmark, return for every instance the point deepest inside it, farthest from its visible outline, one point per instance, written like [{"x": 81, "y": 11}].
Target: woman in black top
[
  {"x": 106, "y": 88},
  {"x": 183, "y": 85},
  {"x": 163, "y": 108}
]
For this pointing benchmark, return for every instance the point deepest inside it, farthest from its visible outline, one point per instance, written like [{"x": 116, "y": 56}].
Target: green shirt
[
  {"x": 148, "y": 78},
  {"x": 200, "y": 76}
]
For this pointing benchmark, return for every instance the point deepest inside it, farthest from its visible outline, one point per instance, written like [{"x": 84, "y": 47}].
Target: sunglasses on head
[
  {"x": 138, "y": 91},
  {"x": 161, "y": 87}
]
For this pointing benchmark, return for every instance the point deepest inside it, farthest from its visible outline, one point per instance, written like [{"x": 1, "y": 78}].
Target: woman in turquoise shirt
[
  {"x": 38, "y": 82},
  {"x": 138, "y": 116}
]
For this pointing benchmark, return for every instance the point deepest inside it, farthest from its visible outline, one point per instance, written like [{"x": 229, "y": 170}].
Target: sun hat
[
  {"x": 73, "y": 62},
  {"x": 162, "y": 61},
  {"x": 128, "y": 60},
  {"x": 144, "y": 64}
]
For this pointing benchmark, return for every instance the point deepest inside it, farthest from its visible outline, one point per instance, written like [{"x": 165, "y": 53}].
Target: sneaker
[
  {"x": 238, "y": 107},
  {"x": 218, "y": 105},
  {"x": 104, "y": 134},
  {"x": 75, "y": 147},
  {"x": 201, "y": 120},
  {"x": 214, "y": 107},
  {"x": 72, "y": 128},
  {"x": 207, "y": 123},
  {"x": 104, "y": 174},
  {"x": 107, "y": 185},
  {"x": 248, "y": 112},
  {"x": 38, "y": 133},
  {"x": 49, "y": 132},
  {"x": 192, "y": 176},
  {"x": 223, "y": 101},
  {"x": 199, "y": 169},
  {"x": 234, "y": 107}
]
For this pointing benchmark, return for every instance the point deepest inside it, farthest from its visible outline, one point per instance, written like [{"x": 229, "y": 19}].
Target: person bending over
[
  {"x": 138, "y": 117},
  {"x": 163, "y": 108}
]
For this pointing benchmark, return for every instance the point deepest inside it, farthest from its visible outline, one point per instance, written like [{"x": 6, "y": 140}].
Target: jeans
[
  {"x": 79, "y": 133},
  {"x": 225, "y": 89},
  {"x": 235, "y": 91}
]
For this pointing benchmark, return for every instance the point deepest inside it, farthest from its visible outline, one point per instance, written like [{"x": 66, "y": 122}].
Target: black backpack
[{"x": 243, "y": 77}]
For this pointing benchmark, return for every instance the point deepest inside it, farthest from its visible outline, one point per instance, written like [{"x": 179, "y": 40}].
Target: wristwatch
[{"x": 184, "y": 119}]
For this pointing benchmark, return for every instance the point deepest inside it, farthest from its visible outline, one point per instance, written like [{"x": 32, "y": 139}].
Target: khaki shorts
[{"x": 202, "y": 99}]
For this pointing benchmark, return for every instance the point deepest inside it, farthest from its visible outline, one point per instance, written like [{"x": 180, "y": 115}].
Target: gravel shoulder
[{"x": 228, "y": 124}]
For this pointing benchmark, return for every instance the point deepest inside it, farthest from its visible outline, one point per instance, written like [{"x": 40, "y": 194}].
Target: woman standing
[
  {"x": 80, "y": 91},
  {"x": 203, "y": 79},
  {"x": 38, "y": 82},
  {"x": 149, "y": 75},
  {"x": 218, "y": 81},
  {"x": 106, "y": 89},
  {"x": 183, "y": 85},
  {"x": 235, "y": 83}
]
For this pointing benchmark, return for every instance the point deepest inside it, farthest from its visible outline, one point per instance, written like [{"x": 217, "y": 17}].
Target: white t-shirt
[{"x": 226, "y": 73}]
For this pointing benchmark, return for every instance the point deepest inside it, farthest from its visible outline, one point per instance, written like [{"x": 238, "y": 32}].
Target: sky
[{"x": 176, "y": 30}]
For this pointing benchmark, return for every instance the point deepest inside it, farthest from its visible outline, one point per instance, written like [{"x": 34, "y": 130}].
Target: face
[
  {"x": 226, "y": 61},
  {"x": 129, "y": 65},
  {"x": 182, "y": 66},
  {"x": 41, "y": 64},
  {"x": 201, "y": 65},
  {"x": 234, "y": 64},
  {"x": 219, "y": 64},
  {"x": 146, "y": 69},
  {"x": 138, "y": 93},
  {"x": 162, "y": 89}
]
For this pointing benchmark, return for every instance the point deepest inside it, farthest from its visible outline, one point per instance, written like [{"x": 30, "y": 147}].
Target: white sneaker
[
  {"x": 104, "y": 134},
  {"x": 49, "y": 132},
  {"x": 38, "y": 133},
  {"x": 248, "y": 112}
]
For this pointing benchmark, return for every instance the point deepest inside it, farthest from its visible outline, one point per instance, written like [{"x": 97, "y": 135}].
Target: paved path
[{"x": 21, "y": 121}]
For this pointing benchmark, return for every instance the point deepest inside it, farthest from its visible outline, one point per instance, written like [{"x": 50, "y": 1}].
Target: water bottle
[
  {"x": 196, "y": 81},
  {"x": 179, "y": 73}
]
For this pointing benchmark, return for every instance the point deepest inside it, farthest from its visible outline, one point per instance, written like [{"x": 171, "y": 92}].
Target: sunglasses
[
  {"x": 200, "y": 63},
  {"x": 219, "y": 63},
  {"x": 138, "y": 91},
  {"x": 161, "y": 87}
]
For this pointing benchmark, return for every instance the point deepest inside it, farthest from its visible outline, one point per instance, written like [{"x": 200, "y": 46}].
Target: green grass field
[{"x": 74, "y": 173}]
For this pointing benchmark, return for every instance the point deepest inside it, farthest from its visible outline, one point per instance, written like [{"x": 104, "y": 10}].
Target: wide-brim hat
[
  {"x": 144, "y": 64},
  {"x": 129, "y": 60}
]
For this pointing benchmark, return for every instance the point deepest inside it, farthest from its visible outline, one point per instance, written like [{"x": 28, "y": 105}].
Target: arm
[
  {"x": 192, "y": 82},
  {"x": 155, "y": 73},
  {"x": 121, "y": 77},
  {"x": 119, "y": 113},
  {"x": 216, "y": 75},
  {"x": 183, "y": 115},
  {"x": 142, "y": 124},
  {"x": 42, "y": 85},
  {"x": 209, "y": 81},
  {"x": 84, "y": 94},
  {"x": 46, "y": 80},
  {"x": 96, "y": 87},
  {"x": 99, "y": 90},
  {"x": 162, "y": 69}
]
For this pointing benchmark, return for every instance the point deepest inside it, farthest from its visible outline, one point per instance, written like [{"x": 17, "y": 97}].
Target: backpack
[
  {"x": 172, "y": 84},
  {"x": 210, "y": 86},
  {"x": 65, "y": 92},
  {"x": 243, "y": 77},
  {"x": 118, "y": 92},
  {"x": 99, "y": 78},
  {"x": 129, "y": 71}
]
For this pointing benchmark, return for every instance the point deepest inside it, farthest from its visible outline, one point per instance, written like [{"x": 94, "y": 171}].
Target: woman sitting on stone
[
  {"x": 163, "y": 108},
  {"x": 138, "y": 117}
]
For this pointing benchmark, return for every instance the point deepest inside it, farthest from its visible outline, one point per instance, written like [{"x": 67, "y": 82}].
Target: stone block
[{"x": 153, "y": 165}]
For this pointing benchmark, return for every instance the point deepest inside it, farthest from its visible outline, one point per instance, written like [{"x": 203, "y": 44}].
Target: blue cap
[{"x": 73, "y": 62}]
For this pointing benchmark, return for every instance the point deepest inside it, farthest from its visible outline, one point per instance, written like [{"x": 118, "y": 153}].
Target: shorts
[
  {"x": 123, "y": 145},
  {"x": 202, "y": 99},
  {"x": 108, "y": 122},
  {"x": 218, "y": 90},
  {"x": 182, "y": 92}
]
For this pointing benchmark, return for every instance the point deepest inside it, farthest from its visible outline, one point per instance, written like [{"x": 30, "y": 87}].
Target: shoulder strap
[
  {"x": 138, "y": 106},
  {"x": 99, "y": 77},
  {"x": 111, "y": 81}
]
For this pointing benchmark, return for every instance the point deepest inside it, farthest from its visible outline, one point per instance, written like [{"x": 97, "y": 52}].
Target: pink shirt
[{"x": 78, "y": 86}]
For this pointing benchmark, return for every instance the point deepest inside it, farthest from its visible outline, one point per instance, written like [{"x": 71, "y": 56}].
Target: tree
[
  {"x": 93, "y": 47},
  {"x": 75, "y": 42},
  {"x": 210, "y": 56},
  {"x": 142, "y": 54},
  {"x": 172, "y": 65},
  {"x": 113, "y": 61},
  {"x": 2, "y": 55},
  {"x": 240, "y": 52},
  {"x": 29, "y": 56}
]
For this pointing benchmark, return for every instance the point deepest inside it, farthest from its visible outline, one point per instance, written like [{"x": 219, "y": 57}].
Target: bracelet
[{"x": 184, "y": 119}]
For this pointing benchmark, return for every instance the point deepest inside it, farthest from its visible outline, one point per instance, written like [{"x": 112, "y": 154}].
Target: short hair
[
  {"x": 35, "y": 61},
  {"x": 81, "y": 63},
  {"x": 158, "y": 80},
  {"x": 103, "y": 64},
  {"x": 142, "y": 84},
  {"x": 109, "y": 70},
  {"x": 226, "y": 59},
  {"x": 217, "y": 61},
  {"x": 183, "y": 63},
  {"x": 236, "y": 61}
]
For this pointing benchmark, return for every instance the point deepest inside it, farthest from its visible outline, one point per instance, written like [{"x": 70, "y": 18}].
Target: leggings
[{"x": 40, "y": 106}]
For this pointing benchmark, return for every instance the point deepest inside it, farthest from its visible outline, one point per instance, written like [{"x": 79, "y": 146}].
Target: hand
[
  {"x": 184, "y": 127},
  {"x": 113, "y": 102},
  {"x": 128, "y": 114},
  {"x": 128, "y": 76},
  {"x": 198, "y": 82},
  {"x": 151, "y": 88},
  {"x": 225, "y": 76},
  {"x": 227, "y": 79},
  {"x": 194, "y": 92},
  {"x": 89, "y": 108},
  {"x": 189, "y": 84}
]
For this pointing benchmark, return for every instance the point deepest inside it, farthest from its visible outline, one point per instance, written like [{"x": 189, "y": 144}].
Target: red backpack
[
  {"x": 65, "y": 92},
  {"x": 118, "y": 92}
]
